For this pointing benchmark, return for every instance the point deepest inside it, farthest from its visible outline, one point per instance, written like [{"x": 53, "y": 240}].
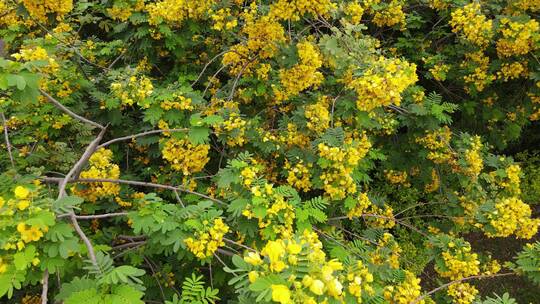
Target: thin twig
[
  {"x": 94, "y": 216},
  {"x": 45, "y": 283},
  {"x": 238, "y": 244},
  {"x": 155, "y": 277},
  {"x": 206, "y": 66},
  {"x": 68, "y": 111},
  {"x": 420, "y": 298},
  {"x": 112, "y": 141},
  {"x": 134, "y": 183},
  {"x": 6, "y": 137}
]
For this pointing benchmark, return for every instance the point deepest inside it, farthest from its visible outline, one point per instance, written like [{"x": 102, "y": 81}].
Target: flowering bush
[{"x": 302, "y": 151}]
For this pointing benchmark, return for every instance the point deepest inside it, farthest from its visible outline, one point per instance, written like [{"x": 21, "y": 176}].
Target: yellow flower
[
  {"x": 23, "y": 204},
  {"x": 21, "y": 192},
  {"x": 281, "y": 294},
  {"x": 294, "y": 248},
  {"x": 317, "y": 287},
  {"x": 253, "y": 275},
  {"x": 253, "y": 258}
]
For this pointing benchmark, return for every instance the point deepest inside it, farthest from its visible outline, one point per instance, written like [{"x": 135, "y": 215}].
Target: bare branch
[
  {"x": 6, "y": 137},
  {"x": 62, "y": 192},
  {"x": 420, "y": 298},
  {"x": 134, "y": 183},
  {"x": 94, "y": 216},
  {"x": 206, "y": 66},
  {"x": 112, "y": 141},
  {"x": 68, "y": 111},
  {"x": 80, "y": 163},
  {"x": 45, "y": 290}
]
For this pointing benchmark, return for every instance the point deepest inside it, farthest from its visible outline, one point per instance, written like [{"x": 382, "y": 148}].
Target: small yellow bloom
[
  {"x": 281, "y": 294},
  {"x": 23, "y": 204},
  {"x": 21, "y": 192},
  {"x": 253, "y": 258},
  {"x": 317, "y": 287},
  {"x": 253, "y": 276}
]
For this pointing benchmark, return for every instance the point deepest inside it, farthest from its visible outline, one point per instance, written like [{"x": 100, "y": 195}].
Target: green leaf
[
  {"x": 16, "y": 80},
  {"x": 24, "y": 258},
  {"x": 198, "y": 135}
]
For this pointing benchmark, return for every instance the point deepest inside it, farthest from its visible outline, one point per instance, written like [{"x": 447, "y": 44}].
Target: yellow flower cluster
[
  {"x": 9, "y": 13},
  {"x": 122, "y": 10},
  {"x": 325, "y": 280},
  {"x": 133, "y": 90},
  {"x": 263, "y": 36},
  {"x": 438, "y": 144},
  {"x": 37, "y": 54},
  {"x": 174, "y": 12},
  {"x": 404, "y": 293},
  {"x": 379, "y": 217},
  {"x": 21, "y": 194},
  {"x": 302, "y": 75},
  {"x": 518, "y": 38},
  {"x": 397, "y": 177},
  {"x": 512, "y": 216},
  {"x": 459, "y": 263},
  {"x": 337, "y": 174},
  {"x": 32, "y": 234},
  {"x": 223, "y": 20},
  {"x": 472, "y": 25},
  {"x": 387, "y": 252},
  {"x": 473, "y": 158},
  {"x": 480, "y": 64},
  {"x": 318, "y": 115},
  {"x": 361, "y": 206},
  {"x": 235, "y": 127},
  {"x": 439, "y": 4},
  {"x": 513, "y": 70},
  {"x": 354, "y": 12},
  {"x": 184, "y": 156},
  {"x": 383, "y": 83},
  {"x": 206, "y": 242},
  {"x": 279, "y": 216},
  {"x": 100, "y": 167},
  {"x": 39, "y": 9},
  {"x": 391, "y": 15},
  {"x": 298, "y": 176},
  {"x": 439, "y": 71},
  {"x": 248, "y": 174},
  {"x": 462, "y": 293},
  {"x": 512, "y": 181},
  {"x": 294, "y": 9},
  {"x": 179, "y": 102}
]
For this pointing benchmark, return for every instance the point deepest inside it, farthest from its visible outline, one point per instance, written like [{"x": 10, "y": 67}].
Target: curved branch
[
  {"x": 134, "y": 183},
  {"x": 68, "y": 111},
  {"x": 420, "y": 298},
  {"x": 6, "y": 137},
  {"x": 94, "y": 216},
  {"x": 112, "y": 141}
]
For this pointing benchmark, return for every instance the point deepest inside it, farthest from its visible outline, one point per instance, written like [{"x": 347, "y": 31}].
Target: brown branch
[
  {"x": 112, "y": 141},
  {"x": 206, "y": 66},
  {"x": 62, "y": 192},
  {"x": 94, "y": 216},
  {"x": 80, "y": 163},
  {"x": 68, "y": 111},
  {"x": 134, "y": 183},
  {"x": 6, "y": 137},
  {"x": 420, "y": 298},
  {"x": 45, "y": 290}
]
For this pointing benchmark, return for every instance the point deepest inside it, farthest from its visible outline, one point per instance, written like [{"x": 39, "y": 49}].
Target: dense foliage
[{"x": 302, "y": 151}]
